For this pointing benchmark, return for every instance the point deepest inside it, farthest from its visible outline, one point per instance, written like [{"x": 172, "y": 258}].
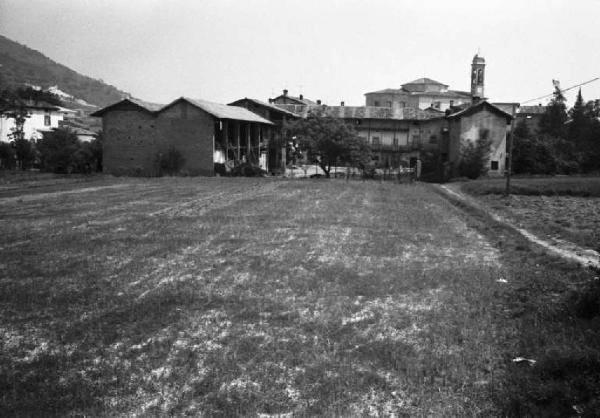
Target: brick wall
[{"x": 133, "y": 139}]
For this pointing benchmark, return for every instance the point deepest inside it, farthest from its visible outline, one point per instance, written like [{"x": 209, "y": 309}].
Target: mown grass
[
  {"x": 237, "y": 297},
  {"x": 539, "y": 186},
  {"x": 555, "y": 208}
]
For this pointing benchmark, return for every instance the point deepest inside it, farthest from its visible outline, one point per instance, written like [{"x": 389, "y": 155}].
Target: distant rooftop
[{"x": 364, "y": 112}]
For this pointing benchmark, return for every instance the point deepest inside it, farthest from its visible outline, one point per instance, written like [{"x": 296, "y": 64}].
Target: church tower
[{"x": 477, "y": 73}]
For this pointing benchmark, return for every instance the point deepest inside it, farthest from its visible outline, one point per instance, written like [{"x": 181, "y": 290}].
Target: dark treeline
[{"x": 566, "y": 142}]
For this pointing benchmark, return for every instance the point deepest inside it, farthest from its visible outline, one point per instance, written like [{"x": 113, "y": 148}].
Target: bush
[
  {"x": 473, "y": 162},
  {"x": 171, "y": 162},
  {"x": 60, "y": 151},
  {"x": 7, "y": 156},
  {"x": 248, "y": 170}
]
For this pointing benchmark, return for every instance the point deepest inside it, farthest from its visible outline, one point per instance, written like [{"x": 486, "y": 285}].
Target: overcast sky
[{"x": 326, "y": 49}]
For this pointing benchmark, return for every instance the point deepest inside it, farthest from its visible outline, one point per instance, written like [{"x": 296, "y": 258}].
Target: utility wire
[{"x": 562, "y": 90}]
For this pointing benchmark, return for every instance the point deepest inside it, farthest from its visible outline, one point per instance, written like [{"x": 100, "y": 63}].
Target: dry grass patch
[{"x": 230, "y": 297}]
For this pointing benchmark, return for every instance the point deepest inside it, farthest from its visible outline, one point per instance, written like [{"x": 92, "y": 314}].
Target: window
[
  {"x": 395, "y": 142},
  {"x": 388, "y": 104},
  {"x": 451, "y": 102},
  {"x": 437, "y": 105},
  {"x": 416, "y": 139},
  {"x": 376, "y": 140},
  {"x": 433, "y": 139},
  {"x": 494, "y": 165},
  {"x": 402, "y": 104},
  {"x": 376, "y": 103},
  {"x": 47, "y": 120}
]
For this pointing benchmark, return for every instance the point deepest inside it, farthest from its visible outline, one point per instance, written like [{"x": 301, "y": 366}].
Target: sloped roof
[
  {"x": 425, "y": 80},
  {"x": 449, "y": 93},
  {"x": 364, "y": 112},
  {"x": 218, "y": 110},
  {"x": 479, "y": 106},
  {"x": 31, "y": 104},
  {"x": 507, "y": 106},
  {"x": 302, "y": 100},
  {"x": 264, "y": 104},
  {"x": 532, "y": 110},
  {"x": 223, "y": 111},
  {"x": 146, "y": 106}
]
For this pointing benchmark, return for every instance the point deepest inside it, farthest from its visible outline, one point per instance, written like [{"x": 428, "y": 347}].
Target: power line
[{"x": 562, "y": 90}]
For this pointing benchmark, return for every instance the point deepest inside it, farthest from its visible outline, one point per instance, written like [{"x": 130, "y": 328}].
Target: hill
[{"x": 22, "y": 65}]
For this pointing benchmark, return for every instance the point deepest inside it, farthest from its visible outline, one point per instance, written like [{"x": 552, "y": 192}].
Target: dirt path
[{"x": 564, "y": 249}]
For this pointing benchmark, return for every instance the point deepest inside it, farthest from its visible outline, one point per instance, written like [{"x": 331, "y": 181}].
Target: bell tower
[{"x": 477, "y": 73}]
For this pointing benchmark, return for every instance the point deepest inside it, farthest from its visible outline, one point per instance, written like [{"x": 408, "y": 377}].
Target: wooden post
[
  {"x": 248, "y": 141},
  {"x": 508, "y": 167},
  {"x": 226, "y": 137},
  {"x": 237, "y": 136}
]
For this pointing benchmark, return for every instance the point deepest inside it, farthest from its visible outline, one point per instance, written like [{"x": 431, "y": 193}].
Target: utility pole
[{"x": 510, "y": 151}]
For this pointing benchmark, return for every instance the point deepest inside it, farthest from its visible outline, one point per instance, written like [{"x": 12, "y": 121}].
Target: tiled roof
[
  {"x": 223, "y": 111},
  {"x": 364, "y": 112},
  {"x": 532, "y": 110},
  {"x": 265, "y": 104},
  {"x": 147, "y": 106},
  {"x": 449, "y": 93},
  {"x": 218, "y": 110},
  {"x": 476, "y": 107},
  {"x": 33, "y": 104},
  {"x": 152, "y": 107},
  {"x": 425, "y": 80},
  {"x": 303, "y": 100}
]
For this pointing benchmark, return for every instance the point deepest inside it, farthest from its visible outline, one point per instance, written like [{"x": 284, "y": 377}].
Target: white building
[{"x": 43, "y": 117}]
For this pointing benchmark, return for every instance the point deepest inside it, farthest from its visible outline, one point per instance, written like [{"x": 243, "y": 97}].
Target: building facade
[
  {"x": 43, "y": 117},
  {"x": 480, "y": 121},
  {"x": 137, "y": 134},
  {"x": 276, "y": 141},
  {"x": 421, "y": 94}
]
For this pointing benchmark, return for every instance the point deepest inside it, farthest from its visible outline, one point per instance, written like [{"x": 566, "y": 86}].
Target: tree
[
  {"x": 553, "y": 120},
  {"x": 329, "y": 140},
  {"x": 474, "y": 156},
  {"x": 58, "y": 151},
  {"x": 578, "y": 120}
]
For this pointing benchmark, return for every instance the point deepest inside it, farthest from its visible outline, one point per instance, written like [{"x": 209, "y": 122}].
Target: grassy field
[
  {"x": 538, "y": 186},
  {"x": 229, "y": 297},
  {"x": 554, "y": 207}
]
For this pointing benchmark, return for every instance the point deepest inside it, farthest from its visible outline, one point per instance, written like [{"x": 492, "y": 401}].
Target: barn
[{"x": 137, "y": 135}]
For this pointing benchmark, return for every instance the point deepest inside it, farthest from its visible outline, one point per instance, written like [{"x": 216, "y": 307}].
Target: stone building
[
  {"x": 137, "y": 134},
  {"x": 481, "y": 120},
  {"x": 285, "y": 99},
  {"x": 425, "y": 92},
  {"x": 395, "y": 135}
]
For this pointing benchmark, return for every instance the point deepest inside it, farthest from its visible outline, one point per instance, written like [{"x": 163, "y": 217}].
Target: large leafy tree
[{"x": 329, "y": 141}]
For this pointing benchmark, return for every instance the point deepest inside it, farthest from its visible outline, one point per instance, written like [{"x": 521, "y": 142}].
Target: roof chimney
[
  {"x": 318, "y": 101},
  {"x": 341, "y": 103},
  {"x": 285, "y": 92},
  {"x": 270, "y": 100},
  {"x": 301, "y": 97}
]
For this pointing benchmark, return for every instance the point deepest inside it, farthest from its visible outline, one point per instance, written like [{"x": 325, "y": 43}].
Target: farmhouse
[
  {"x": 42, "y": 117},
  {"x": 206, "y": 134},
  {"x": 481, "y": 120}
]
